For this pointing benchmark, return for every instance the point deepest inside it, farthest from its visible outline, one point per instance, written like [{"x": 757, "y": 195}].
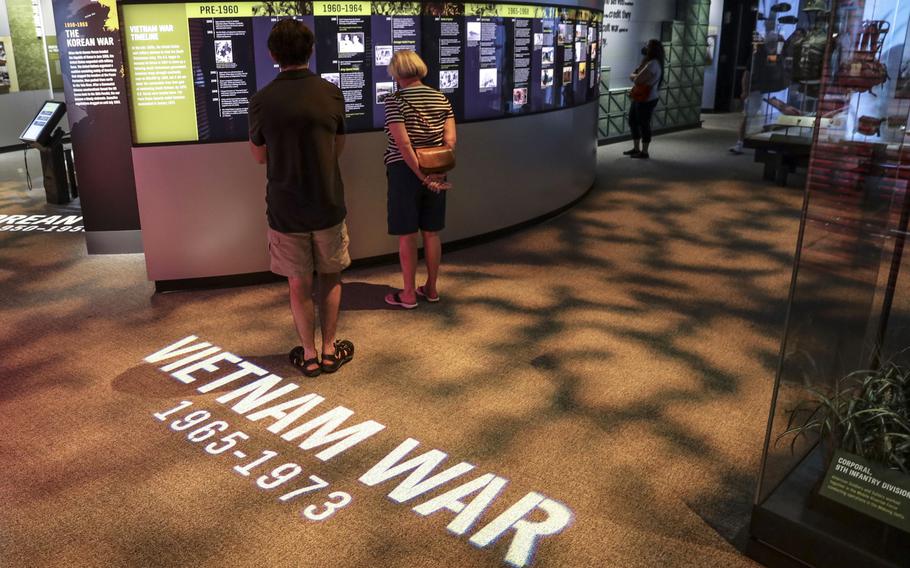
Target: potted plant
[{"x": 866, "y": 413}]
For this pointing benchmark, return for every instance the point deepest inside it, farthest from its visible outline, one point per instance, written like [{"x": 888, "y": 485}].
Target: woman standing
[
  {"x": 417, "y": 116},
  {"x": 646, "y": 80}
]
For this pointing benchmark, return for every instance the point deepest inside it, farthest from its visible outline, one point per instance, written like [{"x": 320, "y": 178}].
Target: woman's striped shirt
[{"x": 424, "y": 132}]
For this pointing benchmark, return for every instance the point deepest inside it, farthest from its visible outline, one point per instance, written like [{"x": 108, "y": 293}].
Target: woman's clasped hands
[{"x": 437, "y": 182}]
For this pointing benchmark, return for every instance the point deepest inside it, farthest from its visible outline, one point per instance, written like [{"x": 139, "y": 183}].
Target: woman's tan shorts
[{"x": 299, "y": 254}]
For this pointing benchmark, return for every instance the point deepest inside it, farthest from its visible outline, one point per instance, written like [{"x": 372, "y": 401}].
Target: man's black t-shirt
[{"x": 297, "y": 117}]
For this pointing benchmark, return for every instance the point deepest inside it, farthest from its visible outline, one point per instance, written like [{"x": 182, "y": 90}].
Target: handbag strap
[{"x": 399, "y": 97}]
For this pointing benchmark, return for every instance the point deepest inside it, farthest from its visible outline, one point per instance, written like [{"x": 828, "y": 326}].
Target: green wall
[{"x": 30, "y": 66}]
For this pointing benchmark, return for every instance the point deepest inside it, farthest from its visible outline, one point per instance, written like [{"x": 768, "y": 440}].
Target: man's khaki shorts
[{"x": 299, "y": 254}]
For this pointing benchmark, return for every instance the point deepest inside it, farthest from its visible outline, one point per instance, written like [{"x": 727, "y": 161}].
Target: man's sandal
[
  {"x": 344, "y": 352},
  {"x": 422, "y": 292},
  {"x": 298, "y": 359},
  {"x": 394, "y": 299}
]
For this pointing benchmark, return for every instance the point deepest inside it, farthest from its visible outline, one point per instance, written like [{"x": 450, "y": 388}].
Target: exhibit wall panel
[
  {"x": 92, "y": 65},
  {"x": 624, "y": 37},
  {"x": 203, "y": 206},
  {"x": 685, "y": 39}
]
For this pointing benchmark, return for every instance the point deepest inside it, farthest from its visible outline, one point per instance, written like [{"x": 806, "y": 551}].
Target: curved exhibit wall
[
  {"x": 203, "y": 206},
  {"x": 522, "y": 79}
]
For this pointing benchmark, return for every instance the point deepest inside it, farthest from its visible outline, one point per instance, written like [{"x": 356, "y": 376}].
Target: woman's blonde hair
[{"x": 406, "y": 64}]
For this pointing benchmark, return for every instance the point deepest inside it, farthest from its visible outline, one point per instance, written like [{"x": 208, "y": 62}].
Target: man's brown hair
[{"x": 291, "y": 43}]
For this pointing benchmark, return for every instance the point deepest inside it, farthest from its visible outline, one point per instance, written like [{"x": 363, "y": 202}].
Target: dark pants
[
  {"x": 411, "y": 206},
  {"x": 640, "y": 120}
]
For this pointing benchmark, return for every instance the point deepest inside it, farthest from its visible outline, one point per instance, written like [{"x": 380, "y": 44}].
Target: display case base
[
  {"x": 795, "y": 525},
  {"x": 768, "y": 556},
  {"x": 113, "y": 242},
  {"x": 781, "y": 155}
]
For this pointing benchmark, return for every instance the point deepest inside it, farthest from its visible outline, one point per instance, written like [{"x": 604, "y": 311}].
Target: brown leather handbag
[
  {"x": 436, "y": 160},
  {"x": 433, "y": 160},
  {"x": 640, "y": 92}
]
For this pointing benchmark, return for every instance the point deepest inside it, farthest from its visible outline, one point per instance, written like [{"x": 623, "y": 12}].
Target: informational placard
[
  {"x": 565, "y": 57},
  {"x": 443, "y": 42},
  {"x": 626, "y": 28},
  {"x": 343, "y": 32},
  {"x": 193, "y": 67},
  {"x": 161, "y": 73},
  {"x": 586, "y": 37},
  {"x": 223, "y": 58},
  {"x": 545, "y": 37},
  {"x": 393, "y": 27},
  {"x": 91, "y": 62},
  {"x": 521, "y": 51},
  {"x": 869, "y": 488},
  {"x": 485, "y": 54},
  {"x": 266, "y": 68},
  {"x": 617, "y": 15}
]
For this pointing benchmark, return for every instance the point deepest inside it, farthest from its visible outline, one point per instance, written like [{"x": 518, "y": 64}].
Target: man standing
[{"x": 297, "y": 130}]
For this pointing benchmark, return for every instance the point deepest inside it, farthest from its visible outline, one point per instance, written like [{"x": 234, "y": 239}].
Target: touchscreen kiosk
[{"x": 41, "y": 128}]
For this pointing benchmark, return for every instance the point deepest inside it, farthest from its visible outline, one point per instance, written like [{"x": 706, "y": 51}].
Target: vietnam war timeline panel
[
  {"x": 399, "y": 28},
  {"x": 193, "y": 67}
]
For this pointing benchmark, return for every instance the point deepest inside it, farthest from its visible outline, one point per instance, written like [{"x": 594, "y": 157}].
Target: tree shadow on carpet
[{"x": 361, "y": 296}]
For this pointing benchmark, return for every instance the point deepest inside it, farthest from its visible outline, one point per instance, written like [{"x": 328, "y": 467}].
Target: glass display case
[
  {"x": 834, "y": 486},
  {"x": 785, "y": 73}
]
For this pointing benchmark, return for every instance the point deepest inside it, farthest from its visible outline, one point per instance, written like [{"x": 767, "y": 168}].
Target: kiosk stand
[{"x": 56, "y": 162}]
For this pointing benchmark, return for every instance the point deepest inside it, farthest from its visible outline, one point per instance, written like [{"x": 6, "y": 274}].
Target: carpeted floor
[{"x": 617, "y": 359}]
